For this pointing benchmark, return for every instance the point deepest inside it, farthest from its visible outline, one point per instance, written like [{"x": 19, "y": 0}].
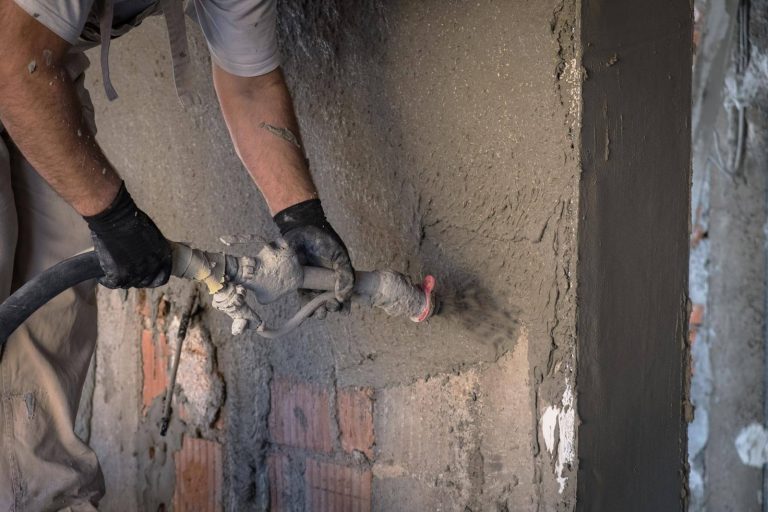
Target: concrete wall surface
[{"x": 444, "y": 138}]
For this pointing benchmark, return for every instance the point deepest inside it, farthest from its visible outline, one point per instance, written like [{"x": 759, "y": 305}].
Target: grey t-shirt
[{"x": 240, "y": 33}]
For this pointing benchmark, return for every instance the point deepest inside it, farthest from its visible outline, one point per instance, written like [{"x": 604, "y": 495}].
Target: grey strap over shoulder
[
  {"x": 106, "y": 14},
  {"x": 173, "y": 10}
]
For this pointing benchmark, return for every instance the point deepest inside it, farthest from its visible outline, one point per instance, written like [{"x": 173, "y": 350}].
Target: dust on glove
[
  {"x": 307, "y": 231},
  {"x": 132, "y": 251}
]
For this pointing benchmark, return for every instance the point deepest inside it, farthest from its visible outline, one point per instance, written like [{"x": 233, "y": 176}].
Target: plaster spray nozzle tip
[{"x": 428, "y": 287}]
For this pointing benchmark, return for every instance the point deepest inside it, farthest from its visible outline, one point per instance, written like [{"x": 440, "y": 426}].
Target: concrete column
[{"x": 633, "y": 255}]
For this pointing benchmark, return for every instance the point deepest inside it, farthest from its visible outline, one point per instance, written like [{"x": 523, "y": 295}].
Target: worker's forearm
[
  {"x": 259, "y": 115},
  {"x": 40, "y": 109}
]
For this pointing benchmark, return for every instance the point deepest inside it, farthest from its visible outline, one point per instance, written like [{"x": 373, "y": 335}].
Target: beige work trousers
[{"x": 43, "y": 465}]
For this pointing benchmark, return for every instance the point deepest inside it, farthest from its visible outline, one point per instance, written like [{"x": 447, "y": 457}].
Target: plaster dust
[
  {"x": 442, "y": 140},
  {"x": 397, "y": 296},
  {"x": 275, "y": 272}
]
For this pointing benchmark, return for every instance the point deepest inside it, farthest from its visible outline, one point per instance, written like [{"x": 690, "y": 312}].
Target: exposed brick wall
[
  {"x": 697, "y": 318},
  {"x": 300, "y": 415},
  {"x": 199, "y": 477},
  {"x": 154, "y": 364},
  {"x": 332, "y": 487},
  {"x": 155, "y": 352},
  {"x": 323, "y": 446},
  {"x": 196, "y": 462},
  {"x": 355, "y": 414},
  {"x": 279, "y": 478}
]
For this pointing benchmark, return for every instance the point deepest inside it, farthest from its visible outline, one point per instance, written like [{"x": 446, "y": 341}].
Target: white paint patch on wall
[
  {"x": 549, "y": 425},
  {"x": 558, "y": 428},
  {"x": 566, "y": 450},
  {"x": 752, "y": 444}
]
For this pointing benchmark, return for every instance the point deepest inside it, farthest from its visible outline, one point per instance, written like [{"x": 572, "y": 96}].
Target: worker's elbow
[
  {"x": 247, "y": 86},
  {"x": 27, "y": 47},
  {"x": 274, "y": 78}
]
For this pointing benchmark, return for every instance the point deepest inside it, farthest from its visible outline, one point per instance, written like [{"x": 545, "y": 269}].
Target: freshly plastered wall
[{"x": 444, "y": 138}]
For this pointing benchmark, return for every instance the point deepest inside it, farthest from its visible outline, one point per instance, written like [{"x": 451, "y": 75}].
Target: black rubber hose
[{"x": 44, "y": 287}]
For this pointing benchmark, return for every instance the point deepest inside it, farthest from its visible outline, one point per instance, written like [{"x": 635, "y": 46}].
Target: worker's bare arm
[
  {"x": 262, "y": 123},
  {"x": 259, "y": 114},
  {"x": 40, "y": 109}
]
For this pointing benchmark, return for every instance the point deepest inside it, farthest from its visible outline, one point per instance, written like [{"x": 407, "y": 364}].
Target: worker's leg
[
  {"x": 8, "y": 230},
  {"x": 45, "y": 362},
  {"x": 8, "y": 225}
]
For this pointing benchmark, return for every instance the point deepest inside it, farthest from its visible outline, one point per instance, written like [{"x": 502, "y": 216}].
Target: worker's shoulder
[{"x": 241, "y": 34}]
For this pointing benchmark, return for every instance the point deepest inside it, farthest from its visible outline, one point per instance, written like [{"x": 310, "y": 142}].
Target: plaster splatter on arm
[
  {"x": 283, "y": 133},
  {"x": 39, "y": 107}
]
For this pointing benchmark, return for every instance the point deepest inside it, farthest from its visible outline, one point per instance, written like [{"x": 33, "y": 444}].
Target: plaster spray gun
[
  {"x": 276, "y": 271},
  {"x": 271, "y": 274}
]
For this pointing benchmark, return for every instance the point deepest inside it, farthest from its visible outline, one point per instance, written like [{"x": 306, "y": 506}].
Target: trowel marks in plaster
[{"x": 559, "y": 431}]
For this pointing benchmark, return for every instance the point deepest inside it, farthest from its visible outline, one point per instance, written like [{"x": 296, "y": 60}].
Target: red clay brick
[
  {"x": 279, "y": 486},
  {"x": 199, "y": 476},
  {"x": 355, "y": 414},
  {"x": 697, "y": 314},
  {"x": 697, "y": 317},
  {"x": 300, "y": 415},
  {"x": 142, "y": 305},
  {"x": 335, "y": 488},
  {"x": 154, "y": 357}
]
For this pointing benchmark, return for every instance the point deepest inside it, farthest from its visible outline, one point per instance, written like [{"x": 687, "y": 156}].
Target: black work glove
[
  {"x": 306, "y": 230},
  {"x": 132, "y": 251}
]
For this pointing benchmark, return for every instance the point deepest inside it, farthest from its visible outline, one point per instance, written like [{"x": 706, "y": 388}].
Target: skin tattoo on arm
[
  {"x": 283, "y": 133},
  {"x": 261, "y": 121}
]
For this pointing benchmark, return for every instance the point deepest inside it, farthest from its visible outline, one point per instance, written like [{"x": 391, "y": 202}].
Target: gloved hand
[
  {"x": 132, "y": 251},
  {"x": 231, "y": 301},
  {"x": 309, "y": 234}
]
